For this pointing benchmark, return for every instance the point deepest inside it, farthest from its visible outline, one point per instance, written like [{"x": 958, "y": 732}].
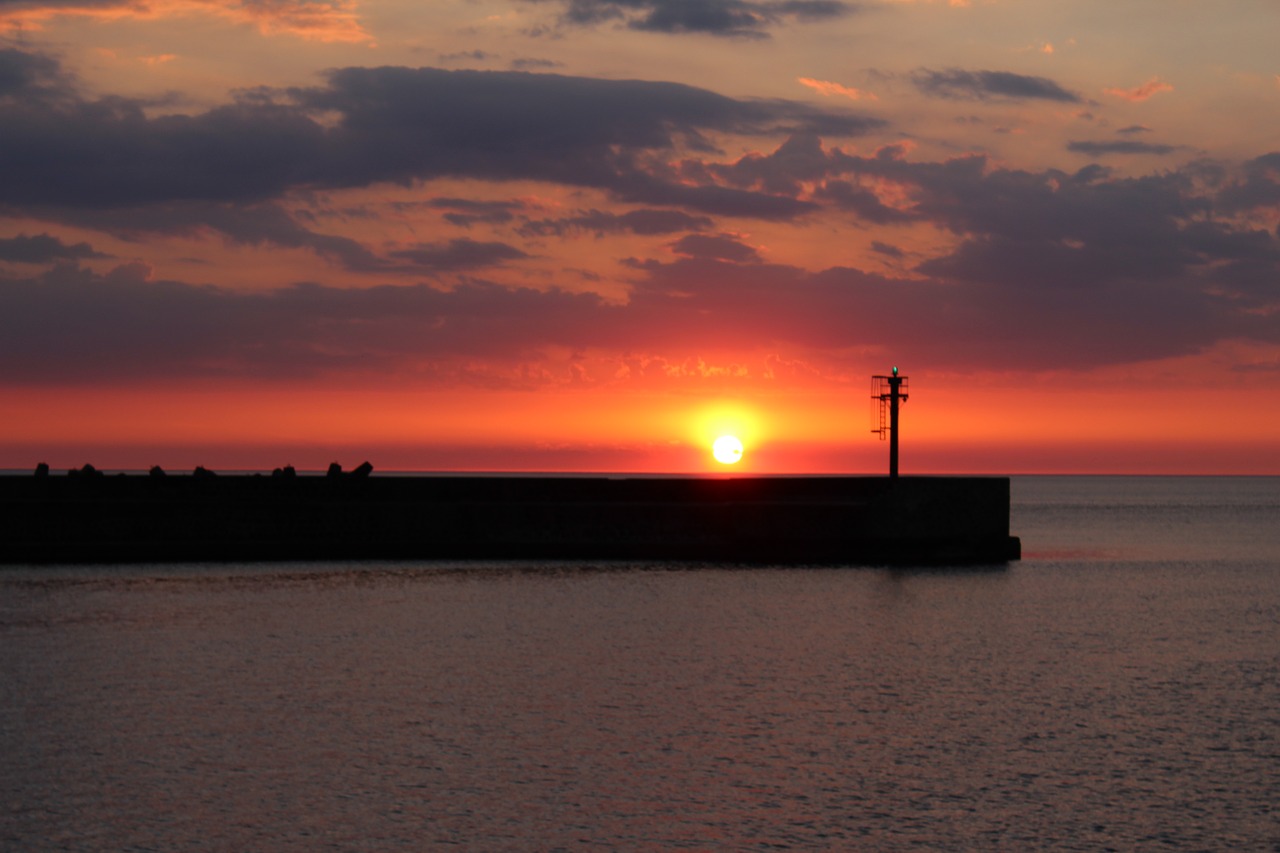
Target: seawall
[{"x": 790, "y": 520}]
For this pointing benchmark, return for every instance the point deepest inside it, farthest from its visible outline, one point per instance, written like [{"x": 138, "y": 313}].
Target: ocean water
[{"x": 1119, "y": 688}]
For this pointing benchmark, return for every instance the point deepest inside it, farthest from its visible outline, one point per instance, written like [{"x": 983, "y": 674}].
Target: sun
[{"x": 727, "y": 449}]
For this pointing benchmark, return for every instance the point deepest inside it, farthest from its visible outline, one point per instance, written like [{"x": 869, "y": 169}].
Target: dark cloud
[
  {"x": 799, "y": 159},
  {"x": 458, "y": 255},
  {"x": 992, "y": 303},
  {"x": 1087, "y": 232},
  {"x": 43, "y": 249},
  {"x": 645, "y": 222},
  {"x": 1044, "y": 269},
  {"x": 108, "y": 153},
  {"x": 266, "y": 224},
  {"x": 1118, "y": 146},
  {"x": 465, "y": 212},
  {"x": 862, "y": 202},
  {"x": 966, "y": 196},
  {"x": 533, "y": 64},
  {"x": 29, "y": 78},
  {"x": 720, "y": 247},
  {"x": 1259, "y": 186},
  {"x": 470, "y": 55},
  {"x": 985, "y": 85},
  {"x": 1134, "y": 128},
  {"x": 70, "y": 324},
  {"x": 735, "y": 18},
  {"x": 396, "y": 125},
  {"x": 791, "y": 118},
  {"x": 1002, "y": 325},
  {"x": 641, "y": 188}
]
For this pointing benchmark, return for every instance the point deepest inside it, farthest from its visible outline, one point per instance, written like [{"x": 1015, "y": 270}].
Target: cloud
[
  {"x": 1124, "y": 146},
  {"x": 644, "y": 222},
  {"x": 799, "y": 159},
  {"x": 956, "y": 83},
  {"x": 31, "y": 79},
  {"x": 861, "y": 201},
  {"x": 461, "y": 254},
  {"x": 1134, "y": 128},
  {"x": 640, "y": 188},
  {"x": 465, "y": 212},
  {"x": 468, "y": 55},
  {"x": 1258, "y": 187},
  {"x": 736, "y": 18},
  {"x": 320, "y": 20},
  {"x": 388, "y": 124},
  {"x": 1029, "y": 231},
  {"x": 721, "y": 247},
  {"x": 996, "y": 266},
  {"x": 534, "y": 64},
  {"x": 43, "y": 249},
  {"x": 108, "y": 153},
  {"x": 828, "y": 88},
  {"x": 1010, "y": 322},
  {"x": 1051, "y": 271},
  {"x": 262, "y": 224},
  {"x": 1154, "y": 86},
  {"x": 70, "y": 324}
]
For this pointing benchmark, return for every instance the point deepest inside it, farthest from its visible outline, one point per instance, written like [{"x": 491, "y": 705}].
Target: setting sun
[{"x": 727, "y": 449}]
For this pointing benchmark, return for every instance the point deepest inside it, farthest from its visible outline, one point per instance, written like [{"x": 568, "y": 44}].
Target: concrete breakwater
[{"x": 791, "y": 520}]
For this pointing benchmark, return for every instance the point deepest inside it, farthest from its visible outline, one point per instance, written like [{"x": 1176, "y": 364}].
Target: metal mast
[{"x": 887, "y": 395}]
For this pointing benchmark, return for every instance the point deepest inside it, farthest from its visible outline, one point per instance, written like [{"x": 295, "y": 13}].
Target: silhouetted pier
[{"x": 89, "y": 517}]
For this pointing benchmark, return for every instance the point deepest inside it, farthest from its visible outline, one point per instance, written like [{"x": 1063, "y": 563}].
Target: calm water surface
[{"x": 1119, "y": 688}]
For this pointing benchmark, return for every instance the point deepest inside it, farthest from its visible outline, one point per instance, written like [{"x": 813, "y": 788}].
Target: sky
[{"x": 594, "y": 235}]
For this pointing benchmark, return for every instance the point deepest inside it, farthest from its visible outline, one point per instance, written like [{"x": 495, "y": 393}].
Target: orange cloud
[
  {"x": 321, "y": 20},
  {"x": 1153, "y": 86},
  {"x": 828, "y": 88}
]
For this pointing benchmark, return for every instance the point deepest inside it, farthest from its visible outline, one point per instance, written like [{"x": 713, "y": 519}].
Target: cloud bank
[{"x": 1037, "y": 268}]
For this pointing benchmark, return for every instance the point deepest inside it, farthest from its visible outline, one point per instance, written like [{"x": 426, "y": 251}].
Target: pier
[{"x": 772, "y": 520}]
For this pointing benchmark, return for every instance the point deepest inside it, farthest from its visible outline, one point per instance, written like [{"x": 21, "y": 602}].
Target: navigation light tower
[{"x": 887, "y": 396}]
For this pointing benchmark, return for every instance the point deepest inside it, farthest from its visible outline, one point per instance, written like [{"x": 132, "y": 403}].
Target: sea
[{"x": 1116, "y": 689}]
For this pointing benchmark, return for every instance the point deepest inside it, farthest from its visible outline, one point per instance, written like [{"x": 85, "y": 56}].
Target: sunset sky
[{"x": 592, "y": 235}]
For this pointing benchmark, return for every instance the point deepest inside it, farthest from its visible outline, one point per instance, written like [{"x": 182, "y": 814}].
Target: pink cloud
[
  {"x": 320, "y": 20},
  {"x": 1152, "y": 87},
  {"x": 828, "y": 88}
]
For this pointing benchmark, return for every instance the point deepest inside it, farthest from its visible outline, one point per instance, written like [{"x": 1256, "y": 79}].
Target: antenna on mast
[{"x": 886, "y": 398}]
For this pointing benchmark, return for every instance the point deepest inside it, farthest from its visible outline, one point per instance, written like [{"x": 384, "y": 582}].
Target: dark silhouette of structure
[
  {"x": 846, "y": 521},
  {"x": 888, "y": 392}
]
